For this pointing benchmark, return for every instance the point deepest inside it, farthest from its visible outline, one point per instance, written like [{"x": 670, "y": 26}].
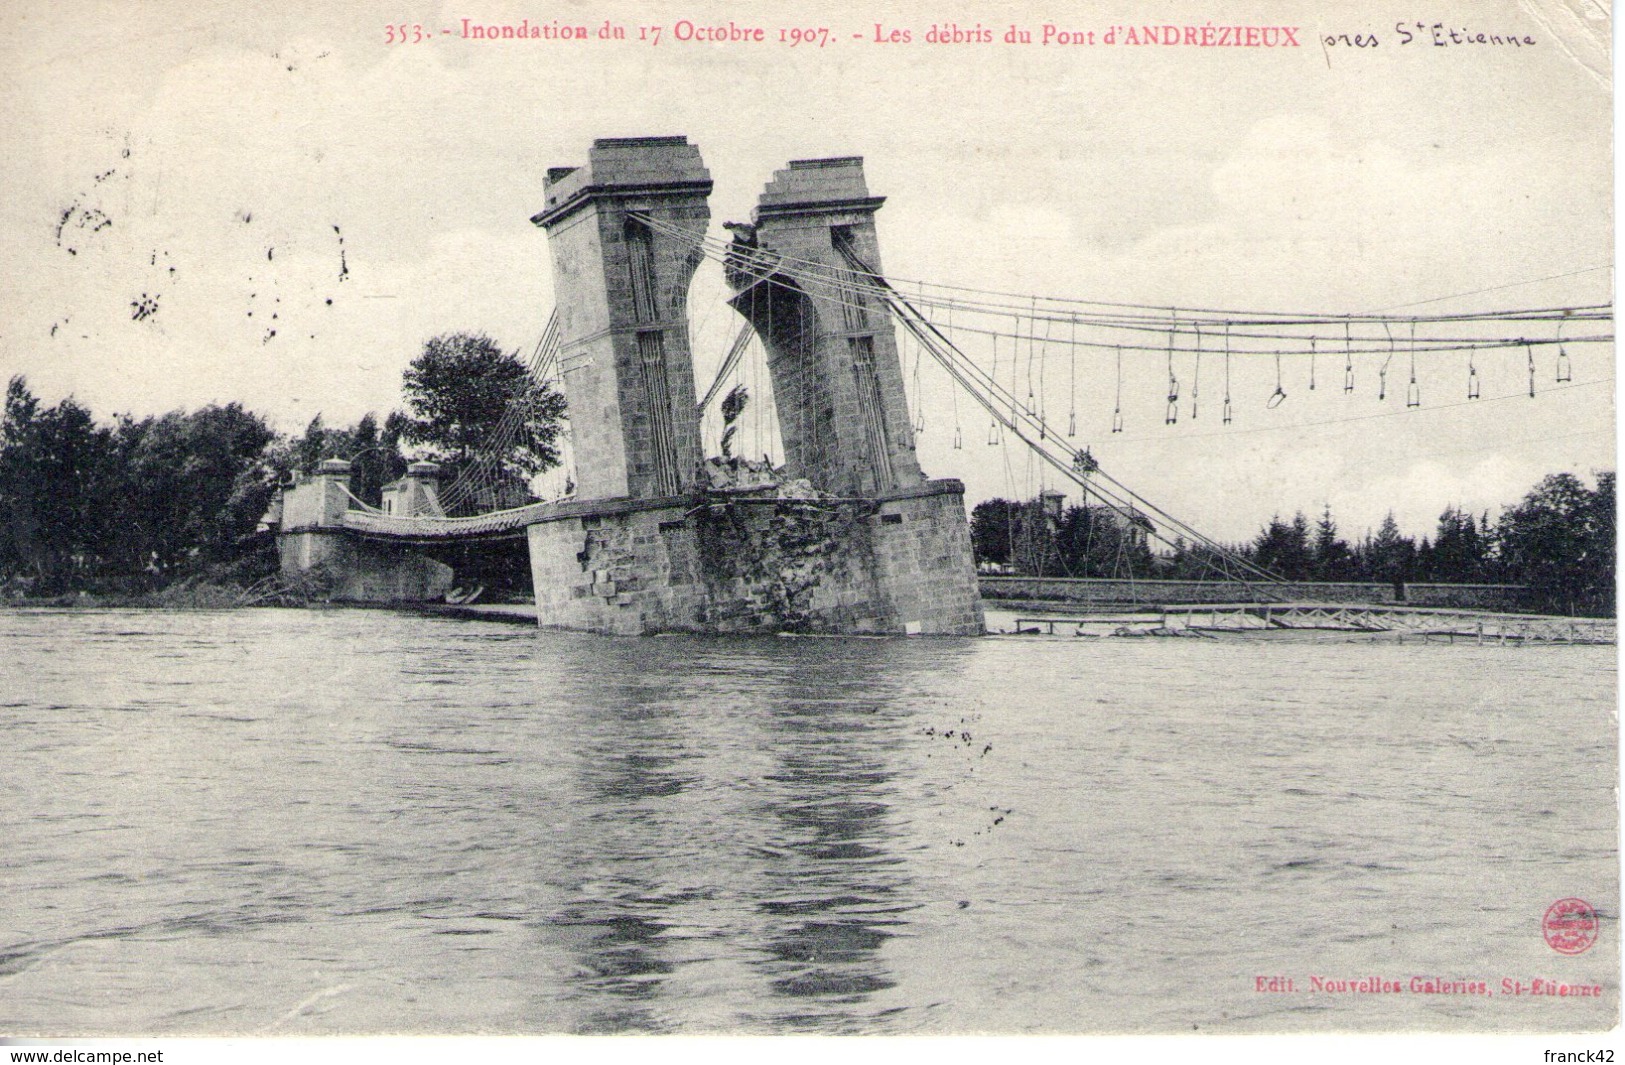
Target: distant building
[{"x": 1134, "y": 525}]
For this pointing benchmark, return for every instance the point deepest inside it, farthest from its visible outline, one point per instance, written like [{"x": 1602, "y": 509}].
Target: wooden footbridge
[{"x": 1333, "y": 621}]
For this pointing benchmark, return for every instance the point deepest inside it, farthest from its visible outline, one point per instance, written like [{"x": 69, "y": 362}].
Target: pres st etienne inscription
[{"x": 1430, "y": 35}]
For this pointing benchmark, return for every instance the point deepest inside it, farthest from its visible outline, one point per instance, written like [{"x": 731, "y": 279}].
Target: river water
[{"x": 351, "y": 821}]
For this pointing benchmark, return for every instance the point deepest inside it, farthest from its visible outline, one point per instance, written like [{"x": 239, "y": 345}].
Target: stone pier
[
  {"x": 650, "y": 544},
  {"x": 311, "y": 535}
]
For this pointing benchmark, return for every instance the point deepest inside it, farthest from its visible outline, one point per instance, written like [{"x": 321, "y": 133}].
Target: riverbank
[
  {"x": 1001, "y": 617},
  {"x": 192, "y": 597},
  {"x": 508, "y": 613},
  {"x": 225, "y": 597},
  {"x": 198, "y": 593}
]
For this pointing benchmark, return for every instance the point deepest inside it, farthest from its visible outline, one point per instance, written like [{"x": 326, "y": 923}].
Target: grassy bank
[{"x": 191, "y": 594}]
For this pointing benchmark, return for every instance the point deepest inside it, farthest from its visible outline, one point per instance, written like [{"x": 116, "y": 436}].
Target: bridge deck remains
[
  {"x": 1478, "y": 626},
  {"x": 1087, "y": 594},
  {"x": 495, "y": 525}
]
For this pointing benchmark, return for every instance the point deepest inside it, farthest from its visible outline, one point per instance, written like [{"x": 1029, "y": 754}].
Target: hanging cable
[
  {"x": 1171, "y": 416},
  {"x": 1196, "y": 375},
  {"x": 1032, "y": 337},
  {"x": 1413, "y": 391},
  {"x": 1015, "y": 366},
  {"x": 730, "y": 362},
  {"x": 1149, "y": 323},
  {"x": 1348, "y": 360},
  {"x": 1597, "y": 312},
  {"x": 1382, "y": 374},
  {"x": 762, "y": 387},
  {"x": 1072, "y": 408},
  {"x": 1565, "y": 372},
  {"x": 1227, "y": 375},
  {"x": 993, "y": 422},
  {"x": 1043, "y": 364},
  {"x": 1472, "y": 378},
  {"x": 1301, "y": 345},
  {"x": 1279, "y": 395},
  {"x": 1311, "y": 364},
  {"x": 919, "y": 396},
  {"x": 1531, "y": 352},
  {"x": 1130, "y": 506},
  {"x": 1117, "y": 410},
  {"x": 479, "y": 482},
  {"x": 1174, "y": 325}
]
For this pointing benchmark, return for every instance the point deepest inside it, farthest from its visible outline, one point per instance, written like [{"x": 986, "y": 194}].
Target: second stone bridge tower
[
  {"x": 650, "y": 544},
  {"x": 831, "y": 351}
]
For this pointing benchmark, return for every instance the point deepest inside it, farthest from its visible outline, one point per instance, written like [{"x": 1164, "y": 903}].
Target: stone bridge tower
[
  {"x": 832, "y": 353},
  {"x": 621, "y": 281},
  {"x": 646, "y": 546},
  {"x": 649, "y": 544}
]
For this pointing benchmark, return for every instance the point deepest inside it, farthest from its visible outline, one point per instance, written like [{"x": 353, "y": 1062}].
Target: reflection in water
[
  {"x": 630, "y": 762},
  {"x": 620, "y": 953},
  {"x": 833, "y": 891},
  {"x": 727, "y": 839}
]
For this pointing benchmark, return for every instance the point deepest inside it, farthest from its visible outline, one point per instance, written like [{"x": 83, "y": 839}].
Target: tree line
[
  {"x": 1558, "y": 542},
  {"x": 135, "y": 505},
  {"x": 138, "y": 504}
]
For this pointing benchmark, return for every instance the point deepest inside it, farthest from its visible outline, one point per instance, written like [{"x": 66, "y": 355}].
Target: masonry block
[
  {"x": 734, "y": 565},
  {"x": 360, "y": 571}
]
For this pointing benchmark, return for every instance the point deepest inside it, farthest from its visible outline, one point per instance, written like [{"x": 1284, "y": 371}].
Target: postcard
[{"x": 539, "y": 518}]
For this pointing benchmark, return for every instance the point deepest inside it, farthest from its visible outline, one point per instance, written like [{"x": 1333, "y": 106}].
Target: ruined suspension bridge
[{"x": 847, "y": 534}]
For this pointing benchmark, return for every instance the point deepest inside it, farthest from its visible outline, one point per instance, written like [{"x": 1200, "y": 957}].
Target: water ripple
[{"x": 351, "y": 821}]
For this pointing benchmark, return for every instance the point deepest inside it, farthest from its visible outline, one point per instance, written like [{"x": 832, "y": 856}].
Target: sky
[{"x": 212, "y": 203}]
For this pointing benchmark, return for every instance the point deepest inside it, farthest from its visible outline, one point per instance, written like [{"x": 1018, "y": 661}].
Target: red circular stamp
[{"x": 1570, "y": 926}]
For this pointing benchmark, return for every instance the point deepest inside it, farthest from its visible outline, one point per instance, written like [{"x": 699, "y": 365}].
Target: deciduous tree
[{"x": 468, "y": 398}]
